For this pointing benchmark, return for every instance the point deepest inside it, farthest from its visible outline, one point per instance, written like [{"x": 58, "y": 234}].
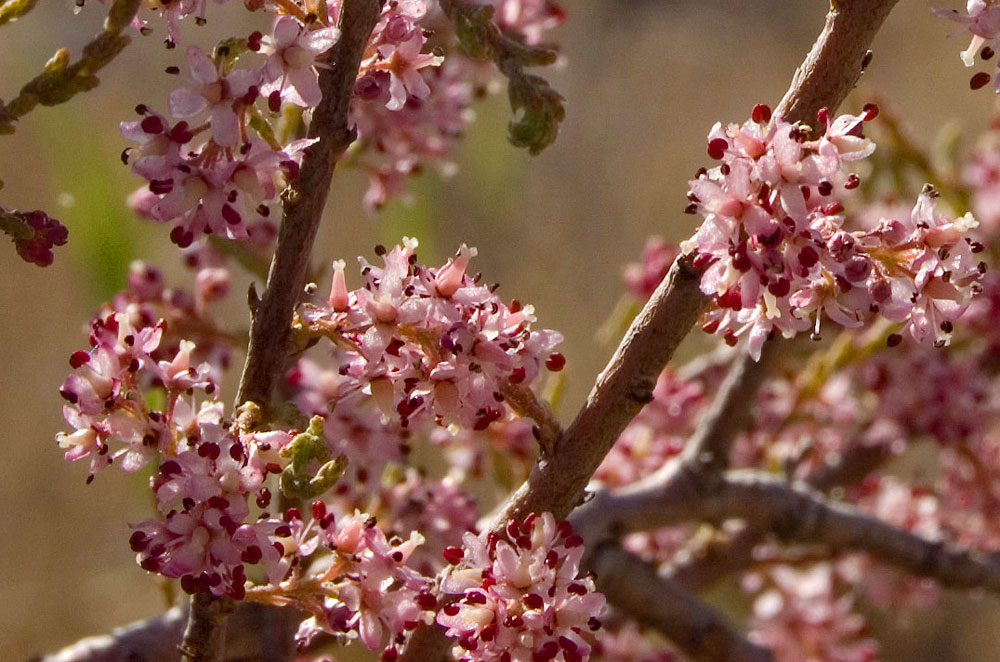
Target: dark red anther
[
  {"x": 555, "y": 362},
  {"x": 78, "y": 358},
  {"x": 717, "y": 148}
]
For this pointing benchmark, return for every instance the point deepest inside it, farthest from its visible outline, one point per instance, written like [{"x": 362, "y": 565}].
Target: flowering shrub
[{"x": 392, "y": 472}]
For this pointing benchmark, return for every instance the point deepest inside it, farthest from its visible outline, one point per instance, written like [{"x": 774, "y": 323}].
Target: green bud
[
  {"x": 538, "y": 110},
  {"x": 306, "y": 449},
  {"x": 11, "y": 10}
]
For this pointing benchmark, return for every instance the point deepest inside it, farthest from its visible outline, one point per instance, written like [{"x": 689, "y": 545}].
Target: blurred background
[{"x": 644, "y": 80}]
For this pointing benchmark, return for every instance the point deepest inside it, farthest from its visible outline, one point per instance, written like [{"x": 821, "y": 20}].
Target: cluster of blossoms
[
  {"x": 221, "y": 176},
  {"x": 201, "y": 493},
  {"x": 205, "y": 472},
  {"x": 522, "y": 599},
  {"x": 367, "y": 591},
  {"x": 140, "y": 396},
  {"x": 34, "y": 234},
  {"x": 430, "y": 344},
  {"x": 186, "y": 314},
  {"x": 776, "y": 254},
  {"x": 799, "y": 615}
]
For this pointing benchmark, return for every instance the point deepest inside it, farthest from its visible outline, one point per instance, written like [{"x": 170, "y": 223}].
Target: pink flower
[
  {"x": 290, "y": 68},
  {"x": 403, "y": 61},
  {"x": 429, "y": 343},
  {"x": 218, "y": 95}
]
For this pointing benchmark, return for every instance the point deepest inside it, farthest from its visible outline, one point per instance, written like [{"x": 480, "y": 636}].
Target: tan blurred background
[{"x": 643, "y": 79}]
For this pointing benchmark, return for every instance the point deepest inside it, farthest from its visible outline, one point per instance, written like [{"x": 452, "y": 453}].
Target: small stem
[
  {"x": 304, "y": 202},
  {"x": 205, "y": 636},
  {"x": 833, "y": 66}
]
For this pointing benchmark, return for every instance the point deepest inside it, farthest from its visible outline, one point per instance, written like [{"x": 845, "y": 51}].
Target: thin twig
[
  {"x": 62, "y": 80},
  {"x": 731, "y": 411}
]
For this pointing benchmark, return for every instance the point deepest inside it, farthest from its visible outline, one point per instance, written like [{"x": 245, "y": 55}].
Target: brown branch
[
  {"x": 704, "y": 562},
  {"x": 731, "y": 550},
  {"x": 668, "y": 492},
  {"x": 158, "y": 638},
  {"x": 835, "y": 63},
  {"x": 154, "y": 639},
  {"x": 697, "y": 629},
  {"x": 557, "y": 482},
  {"x": 304, "y": 201},
  {"x": 800, "y": 514},
  {"x": 731, "y": 411},
  {"x": 205, "y": 635}
]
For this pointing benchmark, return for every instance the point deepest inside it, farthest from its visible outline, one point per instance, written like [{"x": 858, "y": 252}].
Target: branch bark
[
  {"x": 800, "y": 514},
  {"x": 158, "y": 638},
  {"x": 669, "y": 492},
  {"x": 698, "y": 630},
  {"x": 835, "y": 63}
]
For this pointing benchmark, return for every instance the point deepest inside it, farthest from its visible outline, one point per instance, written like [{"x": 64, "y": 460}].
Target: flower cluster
[
  {"x": 201, "y": 494},
  {"x": 801, "y": 615},
  {"x": 396, "y": 140},
  {"x": 776, "y": 254},
  {"x": 521, "y": 600},
  {"x": 205, "y": 471},
  {"x": 105, "y": 394},
  {"x": 430, "y": 344},
  {"x": 219, "y": 187},
  {"x": 368, "y": 590},
  {"x": 220, "y": 177},
  {"x": 186, "y": 314}
]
